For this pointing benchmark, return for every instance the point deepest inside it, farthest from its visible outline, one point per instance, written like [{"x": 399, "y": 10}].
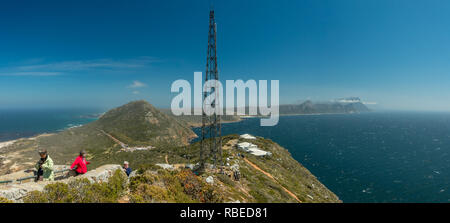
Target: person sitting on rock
[
  {"x": 80, "y": 163},
  {"x": 127, "y": 168},
  {"x": 44, "y": 167}
]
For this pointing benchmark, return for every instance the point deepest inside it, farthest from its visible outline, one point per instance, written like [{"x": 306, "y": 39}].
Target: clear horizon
[{"x": 92, "y": 54}]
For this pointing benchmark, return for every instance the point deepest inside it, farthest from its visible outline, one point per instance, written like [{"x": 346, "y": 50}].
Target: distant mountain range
[
  {"x": 339, "y": 106},
  {"x": 352, "y": 105}
]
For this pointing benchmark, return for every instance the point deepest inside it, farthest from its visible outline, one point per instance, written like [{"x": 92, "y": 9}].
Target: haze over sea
[{"x": 369, "y": 157}]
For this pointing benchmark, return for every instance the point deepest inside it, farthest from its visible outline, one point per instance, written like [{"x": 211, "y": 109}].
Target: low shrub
[
  {"x": 5, "y": 200},
  {"x": 145, "y": 193},
  {"x": 81, "y": 191},
  {"x": 144, "y": 167},
  {"x": 58, "y": 193},
  {"x": 226, "y": 180},
  {"x": 177, "y": 186}
]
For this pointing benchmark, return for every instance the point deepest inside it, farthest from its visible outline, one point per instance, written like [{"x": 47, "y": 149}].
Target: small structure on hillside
[
  {"x": 253, "y": 149},
  {"x": 132, "y": 149},
  {"x": 247, "y": 136}
]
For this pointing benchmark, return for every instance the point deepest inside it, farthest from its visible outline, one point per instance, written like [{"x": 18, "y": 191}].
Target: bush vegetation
[
  {"x": 81, "y": 191},
  {"x": 172, "y": 187},
  {"x": 150, "y": 187},
  {"x": 4, "y": 200}
]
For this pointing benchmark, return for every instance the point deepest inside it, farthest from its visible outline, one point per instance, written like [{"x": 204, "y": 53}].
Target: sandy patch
[
  {"x": 41, "y": 135},
  {"x": 7, "y": 143}
]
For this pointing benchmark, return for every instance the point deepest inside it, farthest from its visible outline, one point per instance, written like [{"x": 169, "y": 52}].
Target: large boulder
[{"x": 210, "y": 180}]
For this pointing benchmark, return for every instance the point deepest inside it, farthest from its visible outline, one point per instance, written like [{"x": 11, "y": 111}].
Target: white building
[
  {"x": 247, "y": 136},
  {"x": 252, "y": 149},
  {"x": 246, "y": 146}
]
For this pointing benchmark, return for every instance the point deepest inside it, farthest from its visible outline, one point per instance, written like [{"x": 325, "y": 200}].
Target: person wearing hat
[
  {"x": 44, "y": 167},
  {"x": 80, "y": 164},
  {"x": 127, "y": 168}
]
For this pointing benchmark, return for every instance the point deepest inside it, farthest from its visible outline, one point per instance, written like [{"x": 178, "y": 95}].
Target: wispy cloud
[
  {"x": 135, "y": 92},
  {"x": 40, "y": 74},
  {"x": 91, "y": 64},
  {"x": 40, "y": 68},
  {"x": 137, "y": 84}
]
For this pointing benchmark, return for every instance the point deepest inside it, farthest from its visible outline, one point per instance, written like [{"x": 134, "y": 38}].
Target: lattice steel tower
[{"x": 211, "y": 149}]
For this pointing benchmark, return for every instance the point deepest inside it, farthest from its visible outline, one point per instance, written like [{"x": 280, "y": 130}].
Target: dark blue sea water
[
  {"x": 18, "y": 123},
  {"x": 372, "y": 157}
]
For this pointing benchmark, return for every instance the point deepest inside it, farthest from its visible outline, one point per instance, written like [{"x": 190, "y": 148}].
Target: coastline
[
  {"x": 304, "y": 114},
  {"x": 11, "y": 142},
  {"x": 243, "y": 117},
  {"x": 7, "y": 143}
]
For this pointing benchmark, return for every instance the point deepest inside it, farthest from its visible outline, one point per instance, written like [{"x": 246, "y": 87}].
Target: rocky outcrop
[
  {"x": 15, "y": 192},
  {"x": 102, "y": 173}
]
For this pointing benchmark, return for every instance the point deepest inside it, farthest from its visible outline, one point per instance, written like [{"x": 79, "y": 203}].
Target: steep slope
[
  {"x": 272, "y": 179},
  {"x": 139, "y": 123},
  {"x": 275, "y": 179}
]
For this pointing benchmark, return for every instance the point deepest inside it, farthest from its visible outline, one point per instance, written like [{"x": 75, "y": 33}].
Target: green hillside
[{"x": 137, "y": 123}]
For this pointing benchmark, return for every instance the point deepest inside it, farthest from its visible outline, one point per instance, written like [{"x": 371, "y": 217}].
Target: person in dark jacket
[{"x": 126, "y": 167}]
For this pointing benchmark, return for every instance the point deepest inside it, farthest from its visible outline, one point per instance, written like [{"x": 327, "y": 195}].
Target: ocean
[
  {"x": 19, "y": 123},
  {"x": 370, "y": 157}
]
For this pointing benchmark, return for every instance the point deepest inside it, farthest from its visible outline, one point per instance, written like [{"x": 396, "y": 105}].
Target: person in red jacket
[{"x": 80, "y": 164}]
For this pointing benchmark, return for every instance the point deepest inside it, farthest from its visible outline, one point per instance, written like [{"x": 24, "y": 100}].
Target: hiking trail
[{"x": 271, "y": 177}]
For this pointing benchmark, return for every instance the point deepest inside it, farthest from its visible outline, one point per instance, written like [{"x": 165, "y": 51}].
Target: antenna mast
[{"x": 211, "y": 148}]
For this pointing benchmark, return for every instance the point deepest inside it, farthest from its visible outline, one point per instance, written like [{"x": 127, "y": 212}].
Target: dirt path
[
  {"x": 271, "y": 177},
  {"x": 123, "y": 145}
]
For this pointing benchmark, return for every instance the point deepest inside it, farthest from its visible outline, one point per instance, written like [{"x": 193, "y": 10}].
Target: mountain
[
  {"x": 348, "y": 100},
  {"x": 136, "y": 124},
  {"x": 308, "y": 107},
  {"x": 139, "y": 123}
]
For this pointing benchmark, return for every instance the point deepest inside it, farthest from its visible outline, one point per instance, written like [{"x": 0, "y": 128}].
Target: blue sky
[{"x": 106, "y": 53}]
